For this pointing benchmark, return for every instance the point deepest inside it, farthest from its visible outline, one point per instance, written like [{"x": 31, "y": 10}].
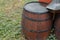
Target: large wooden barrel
[
  {"x": 57, "y": 25},
  {"x": 36, "y": 21}
]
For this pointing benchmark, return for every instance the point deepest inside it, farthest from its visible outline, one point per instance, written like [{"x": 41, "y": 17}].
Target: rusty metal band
[
  {"x": 57, "y": 15},
  {"x": 38, "y": 20},
  {"x": 40, "y": 31},
  {"x": 32, "y": 38},
  {"x": 37, "y": 38},
  {"x": 58, "y": 30}
]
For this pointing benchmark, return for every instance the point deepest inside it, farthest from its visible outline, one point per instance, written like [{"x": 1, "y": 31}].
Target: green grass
[{"x": 10, "y": 19}]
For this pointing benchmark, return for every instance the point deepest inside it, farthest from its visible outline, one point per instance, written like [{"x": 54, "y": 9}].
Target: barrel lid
[
  {"x": 54, "y": 5},
  {"x": 35, "y": 7}
]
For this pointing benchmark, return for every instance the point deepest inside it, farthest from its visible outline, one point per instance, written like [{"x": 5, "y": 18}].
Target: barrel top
[
  {"x": 35, "y": 7},
  {"x": 54, "y": 5}
]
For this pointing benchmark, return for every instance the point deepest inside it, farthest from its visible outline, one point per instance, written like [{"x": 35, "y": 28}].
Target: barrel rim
[
  {"x": 36, "y": 12},
  {"x": 34, "y": 2}
]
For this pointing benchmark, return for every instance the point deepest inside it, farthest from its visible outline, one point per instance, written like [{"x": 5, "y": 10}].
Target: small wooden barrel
[
  {"x": 57, "y": 25},
  {"x": 36, "y": 21}
]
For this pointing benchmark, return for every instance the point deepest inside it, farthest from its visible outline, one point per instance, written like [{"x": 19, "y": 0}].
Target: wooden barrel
[
  {"x": 57, "y": 25},
  {"x": 55, "y": 15},
  {"x": 36, "y": 21}
]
